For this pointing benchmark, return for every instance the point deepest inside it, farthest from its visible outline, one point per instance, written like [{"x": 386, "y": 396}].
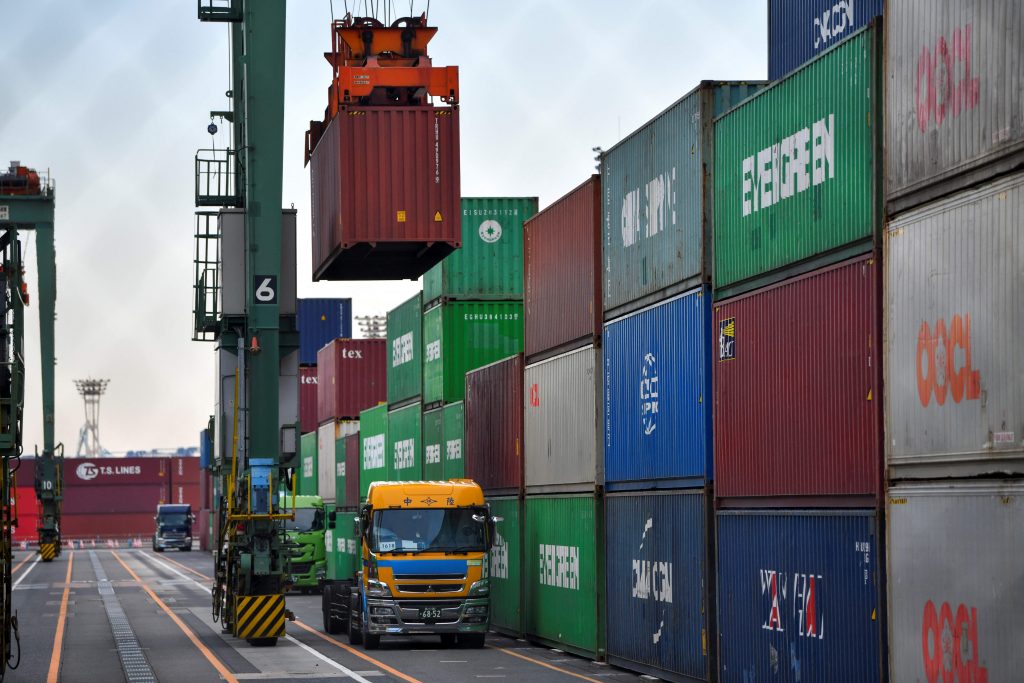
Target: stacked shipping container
[
  {"x": 657, "y": 387},
  {"x": 318, "y": 322},
  {"x": 797, "y": 386},
  {"x": 954, "y": 267}
]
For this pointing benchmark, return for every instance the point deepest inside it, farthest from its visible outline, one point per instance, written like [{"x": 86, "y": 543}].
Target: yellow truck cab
[{"x": 423, "y": 570}]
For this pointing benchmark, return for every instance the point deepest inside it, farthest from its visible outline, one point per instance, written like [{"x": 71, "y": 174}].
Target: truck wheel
[
  {"x": 332, "y": 624},
  {"x": 355, "y": 632},
  {"x": 474, "y": 640},
  {"x": 371, "y": 641}
]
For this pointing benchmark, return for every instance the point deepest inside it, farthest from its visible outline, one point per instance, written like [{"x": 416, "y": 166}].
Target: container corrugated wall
[
  {"x": 405, "y": 443},
  {"x": 563, "y": 572},
  {"x": 954, "y": 372},
  {"x": 659, "y": 584},
  {"x": 490, "y": 263},
  {"x": 352, "y": 467},
  {"x": 956, "y": 581},
  {"x": 405, "y": 350},
  {"x": 442, "y": 443},
  {"x": 341, "y": 547},
  {"x": 385, "y": 193},
  {"x": 797, "y": 384},
  {"x": 433, "y": 439},
  {"x": 561, "y": 423},
  {"x": 799, "y": 30},
  {"x": 318, "y": 322},
  {"x": 797, "y": 169},
  {"x": 327, "y": 436},
  {"x": 459, "y": 336},
  {"x": 373, "y": 437},
  {"x": 453, "y": 428},
  {"x": 494, "y": 425},
  {"x": 307, "y": 474},
  {"x": 656, "y": 200},
  {"x": 563, "y": 295},
  {"x": 657, "y": 395},
  {"x": 351, "y": 376},
  {"x": 799, "y": 596},
  {"x": 308, "y": 399},
  {"x": 955, "y": 81},
  {"x": 505, "y": 568}
]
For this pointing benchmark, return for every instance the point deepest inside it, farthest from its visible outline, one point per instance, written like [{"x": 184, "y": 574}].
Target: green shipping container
[
  {"x": 506, "y": 567},
  {"x": 373, "y": 436},
  {"x": 405, "y": 443},
  {"x": 341, "y": 546},
  {"x": 340, "y": 475},
  {"x": 464, "y": 335},
  {"x": 405, "y": 345},
  {"x": 563, "y": 565},
  {"x": 307, "y": 484},
  {"x": 490, "y": 263},
  {"x": 798, "y": 170},
  {"x": 443, "y": 432}
]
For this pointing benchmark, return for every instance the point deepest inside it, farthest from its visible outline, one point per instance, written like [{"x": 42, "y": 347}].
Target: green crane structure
[
  {"x": 26, "y": 205},
  {"x": 243, "y": 300}
]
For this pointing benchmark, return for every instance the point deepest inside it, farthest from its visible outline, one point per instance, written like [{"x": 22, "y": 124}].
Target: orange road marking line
[
  {"x": 544, "y": 664},
  {"x": 210, "y": 657},
  {"x": 20, "y": 564},
  {"x": 394, "y": 672},
  {"x": 58, "y": 639}
]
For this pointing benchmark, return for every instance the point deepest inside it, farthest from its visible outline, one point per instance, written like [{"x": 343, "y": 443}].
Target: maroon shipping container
[
  {"x": 184, "y": 470},
  {"x": 352, "y": 470},
  {"x": 25, "y": 473},
  {"x": 186, "y": 494},
  {"x": 351, "y": 376},
  {"x": 107, "y": 471},
  {"x": 385, "y": 193},
  {"x": 91, "y": 498},
  {"x": 797, "y": 390},
  {"x": 308, "y": 399},
  {"x": 493, "y": 440},
  {"x": 139, "y": 525},
  {"x": 562, "y": 278}
]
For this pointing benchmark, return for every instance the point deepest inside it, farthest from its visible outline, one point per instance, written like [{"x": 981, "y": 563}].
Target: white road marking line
[
  {"x": 324, "y": 658},
  {"x": 30, "y": 567},
  {"x": 185, "y": 577}
]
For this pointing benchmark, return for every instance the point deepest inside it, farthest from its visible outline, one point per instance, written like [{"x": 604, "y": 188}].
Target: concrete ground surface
[{"x": 135, "y": 615}]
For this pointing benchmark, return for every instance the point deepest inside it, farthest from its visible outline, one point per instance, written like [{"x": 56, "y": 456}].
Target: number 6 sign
[{"x": 265, "y": 287}]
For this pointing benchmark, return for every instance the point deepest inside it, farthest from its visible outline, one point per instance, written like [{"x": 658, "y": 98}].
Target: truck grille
[
  {"x": 430, "y": 588},
  {"x": 430, "y": 577},
  {"x": 300, "y": 567}
]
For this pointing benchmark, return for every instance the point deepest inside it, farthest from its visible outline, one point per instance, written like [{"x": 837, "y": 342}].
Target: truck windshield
[
  {"x": 438, "y": 530},
  {"x": 172, "y": 519},
  {"x": 306, "y": 519}
]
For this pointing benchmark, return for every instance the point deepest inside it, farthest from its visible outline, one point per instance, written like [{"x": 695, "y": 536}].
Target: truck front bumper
[
  {"x": 179, "y": 543},
  {"x": 401, "y": 617}
]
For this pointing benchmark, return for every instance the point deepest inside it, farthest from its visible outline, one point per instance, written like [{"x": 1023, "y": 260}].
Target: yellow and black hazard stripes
[
  {"x": 47, "y": 551},
  {"x": 259, "y": 616}
]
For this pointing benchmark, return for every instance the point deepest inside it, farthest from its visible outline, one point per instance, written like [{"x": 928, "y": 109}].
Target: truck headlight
[
  {"x": 481, "y": 587},
  {"x": 188, "y": 539},
  {"x": 377, "y": 589}
]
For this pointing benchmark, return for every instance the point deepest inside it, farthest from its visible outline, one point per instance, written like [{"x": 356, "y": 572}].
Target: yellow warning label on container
[
  {"x": 437, "y": 217},
  {"x": 401, "y": 216}
]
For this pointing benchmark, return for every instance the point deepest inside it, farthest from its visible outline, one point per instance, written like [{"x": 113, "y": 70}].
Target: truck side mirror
[{"x": 332, "y": 518}]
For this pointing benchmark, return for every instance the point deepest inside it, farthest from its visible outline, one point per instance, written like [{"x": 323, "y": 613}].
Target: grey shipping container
[
  {"x": 954, "y": 372},
  {"x": 956, "y": 581},
  {"x": 954, "y": 87},
  {"x": 657, "y": 202},
  {"x": 561, "y": 423}
]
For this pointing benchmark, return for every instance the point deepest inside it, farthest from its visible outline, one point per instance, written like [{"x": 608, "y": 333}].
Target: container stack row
[
  {"x": 318, "y": 321},
  {"x": 953, "y": 318}
]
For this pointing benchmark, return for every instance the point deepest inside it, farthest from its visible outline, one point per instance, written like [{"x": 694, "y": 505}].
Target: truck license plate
[{"x": 430, "y": 613}]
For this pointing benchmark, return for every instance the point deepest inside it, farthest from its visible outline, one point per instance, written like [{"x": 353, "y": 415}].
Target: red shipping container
[
  {"x": 562, "y": 277},
  {"x": 25, "y": 473},
  {"x": 385, "y": 193},
  {"x": 493, "y": 442},
  {"x": 27, "y": 529},
  {"x": 351, "y": 377},
  {"x": 186, "y": 494},
  {"x": 352, "y": 470},
  {"x": 307, "y": 399},
  {"x": 106, "y": 471},
  {"x": 138, "y": 525},
  {"x": 184, "y": 470},
  {"x": 797, "y": 390},
  {"x": 97, "y": 499}
]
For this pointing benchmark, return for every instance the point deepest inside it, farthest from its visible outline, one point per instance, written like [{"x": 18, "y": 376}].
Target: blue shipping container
[
  {"x": 318, "y": 322},
  {"x": 798, "y": 596},
  {"x": 658, "y": 395},
  {"x": 800, "y": 30},
  {"x": 658, "y": 581},
  {"x": 205, "y": 449}
]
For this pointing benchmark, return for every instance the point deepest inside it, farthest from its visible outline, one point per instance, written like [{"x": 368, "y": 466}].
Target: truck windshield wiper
[{"x": 463, "y": 549}]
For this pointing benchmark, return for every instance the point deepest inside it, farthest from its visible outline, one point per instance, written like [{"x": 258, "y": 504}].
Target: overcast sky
[{"x": 113, "y": 96}]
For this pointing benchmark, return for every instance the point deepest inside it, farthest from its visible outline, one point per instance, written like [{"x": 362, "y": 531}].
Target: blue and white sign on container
[{"x": 658, "y": 395}]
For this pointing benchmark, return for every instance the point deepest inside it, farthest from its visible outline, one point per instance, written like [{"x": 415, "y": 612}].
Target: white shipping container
[
  {"x": 956, "y": 581},
  {"x": 561, "y": 423},
  {"x": 954, "y": 326},
  {"x": 327, "y": 436},
  {"x": 955, "y": 83}
]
